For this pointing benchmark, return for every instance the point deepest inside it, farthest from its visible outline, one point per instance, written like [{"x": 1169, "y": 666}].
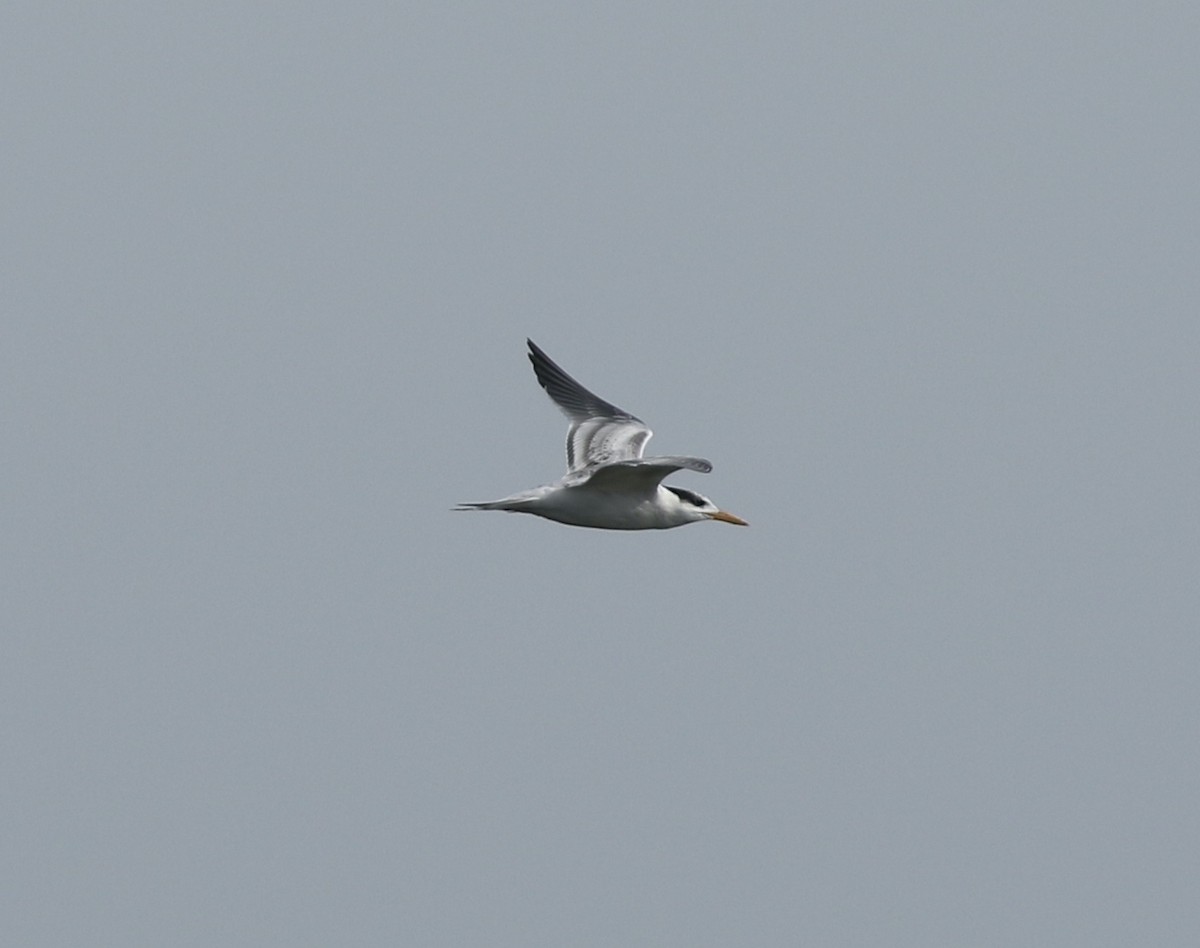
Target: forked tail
[{"x": 492, "y": 505}]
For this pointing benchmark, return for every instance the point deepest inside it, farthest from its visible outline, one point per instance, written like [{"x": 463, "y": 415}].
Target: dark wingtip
[
  {"x": 536, "y": 354},
  {"x": 542, "y": 363}
]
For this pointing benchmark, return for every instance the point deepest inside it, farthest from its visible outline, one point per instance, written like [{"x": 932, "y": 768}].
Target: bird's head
[{"x": 698, "y": 507}]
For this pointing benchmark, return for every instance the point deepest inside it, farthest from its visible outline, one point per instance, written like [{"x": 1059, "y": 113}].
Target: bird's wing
[
  {"x": 636, "y": 474},
  {"x": 600, "y": 433}
]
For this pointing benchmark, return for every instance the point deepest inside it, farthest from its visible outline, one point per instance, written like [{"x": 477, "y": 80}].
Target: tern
[{"x": 608, "y": 484}]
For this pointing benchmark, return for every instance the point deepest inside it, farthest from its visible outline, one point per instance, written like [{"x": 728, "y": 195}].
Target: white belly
[{"x": 606, "y": 510}]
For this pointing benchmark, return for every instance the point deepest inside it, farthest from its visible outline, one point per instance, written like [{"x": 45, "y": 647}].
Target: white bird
[{"x": 608, "y": 483}]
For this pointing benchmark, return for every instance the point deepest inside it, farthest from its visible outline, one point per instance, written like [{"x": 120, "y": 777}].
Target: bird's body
[{"x": 608, "y": 484}]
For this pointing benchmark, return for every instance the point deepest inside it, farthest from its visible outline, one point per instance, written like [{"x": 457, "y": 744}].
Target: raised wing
[
  {"x": 600, "y": 433},
  {"x": 639, "y": 474}
]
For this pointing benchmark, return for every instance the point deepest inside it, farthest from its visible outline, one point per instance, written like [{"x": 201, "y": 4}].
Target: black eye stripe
[{"x": 686, "y": 495}]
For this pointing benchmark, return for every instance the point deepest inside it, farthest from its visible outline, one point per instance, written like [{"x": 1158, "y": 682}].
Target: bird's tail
[
  {"x": 519, "y": 502},
  {"x": 493, "y": 505}
]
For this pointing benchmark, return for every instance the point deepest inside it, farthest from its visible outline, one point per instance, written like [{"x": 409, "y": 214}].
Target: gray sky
[{"x": 920, "y": 280}]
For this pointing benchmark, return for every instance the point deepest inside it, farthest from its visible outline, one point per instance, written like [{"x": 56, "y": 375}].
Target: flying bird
[{"x": 608, "y": 483}]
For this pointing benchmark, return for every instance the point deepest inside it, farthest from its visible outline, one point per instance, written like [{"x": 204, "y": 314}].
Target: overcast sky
[{"x": 920, "y": 279}]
